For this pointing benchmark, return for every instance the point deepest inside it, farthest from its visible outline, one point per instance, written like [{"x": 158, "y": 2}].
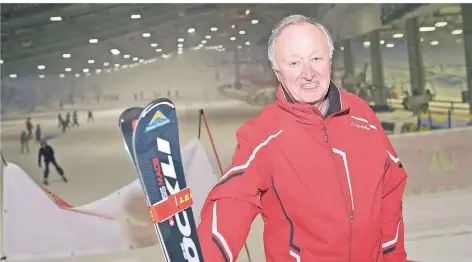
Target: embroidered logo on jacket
[{"x": 361, "y": 123}]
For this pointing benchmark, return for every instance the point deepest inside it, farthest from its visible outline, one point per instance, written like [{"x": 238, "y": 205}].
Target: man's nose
[{"x": 308, "y": 72}]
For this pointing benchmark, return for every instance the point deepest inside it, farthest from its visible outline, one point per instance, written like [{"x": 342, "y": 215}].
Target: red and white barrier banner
[
  {"x": 40, "y": 225},
  {"x": 437, "y": 160}
]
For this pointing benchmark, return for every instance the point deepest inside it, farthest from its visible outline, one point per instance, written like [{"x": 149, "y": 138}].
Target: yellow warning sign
[{"x": 440, "y": 162}]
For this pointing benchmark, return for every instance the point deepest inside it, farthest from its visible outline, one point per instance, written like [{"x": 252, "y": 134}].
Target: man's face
[{"x": 302, "y": 62}]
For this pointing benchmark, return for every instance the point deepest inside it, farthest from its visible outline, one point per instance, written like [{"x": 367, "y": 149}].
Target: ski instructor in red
[{"x": 316, "y": 164}]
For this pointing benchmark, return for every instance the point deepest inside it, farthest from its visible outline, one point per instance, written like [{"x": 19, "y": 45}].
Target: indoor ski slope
[{"x": 438, "y": 226}]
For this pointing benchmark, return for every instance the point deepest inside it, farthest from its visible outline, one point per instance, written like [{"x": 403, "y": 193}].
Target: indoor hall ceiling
[
  {"x": 45, "y": 39},
  {"x": 440, "y": 27}
]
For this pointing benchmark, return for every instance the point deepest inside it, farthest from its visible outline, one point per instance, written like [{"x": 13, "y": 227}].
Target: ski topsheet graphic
[
  {"x": 127, "y": 122},
  {"x": 157, "y": 153}
]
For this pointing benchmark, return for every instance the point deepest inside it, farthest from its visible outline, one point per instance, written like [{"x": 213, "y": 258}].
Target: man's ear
[{"x": 277, "y": 74}]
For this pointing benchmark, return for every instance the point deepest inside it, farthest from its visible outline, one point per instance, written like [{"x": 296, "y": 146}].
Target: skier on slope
[
  {"x": 316, "y": 164},
  {"x": 47, "y": 152}
]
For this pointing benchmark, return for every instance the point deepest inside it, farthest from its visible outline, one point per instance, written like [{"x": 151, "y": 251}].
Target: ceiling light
[
  {"x": 41, "y": 76},
  {"x": 342, "y": 48},
  {"x": 41, "y": 67},
  {"x": 135, "y": 58},
  {"x": 180, "y": 45},
  {"x": 115, "y": 51},
  {"x": 427, "y": 28},
  {"x": 204, "y": 42},
  {"x": 1, "y": 62},
  {"x": 208, "y": 36},
  {"x": 93, "y": 41},
  {"x": 422, "y": 40},
  {"x": 77, "y": 75},
  {"x": 191, "y": 30},
  {"x": 126, "y": 56},
  {"x": 240, "y": 47},
  {"x": 153, "y": 45},
  {"x": 248, "y": 11},
  {"x": 61, "y": 75},
  {"x": 135, "y": 16},
  {"x": 232, "y": 38},
  {"x": 13, "y": 76},
  {"x": 180, "y": 40},
  {"x": 117, "y": 65},
  {"x": 157, "y": 50},
  {"x": 255, "y": 21},
  {"x": 91, "y": 61},
  {"x": 85, "y": 70},
  {"x": 242, "y": 32},
  {"x": 390, "y": 45},
  {"x": 98, "y": 71},
  {"x": 248, "y": 43},
  {"x": 141, "y": 60},
  {"x": 66, "y": 55},
  {"x": 457, "y": 32},
  {"x": 146, "y": 35},
  {"x": 213, "y": 29},
  {"x": 434, "y": 43},
  {"x": 55, "y": 18},
  {"x": 397, "y": 36},
  {"x": 179, "y": 52},
  {"x": 180, "y": 48},
  {"x": 382, "y": 42},
  {"x": 233, "y": 26},
  {"x": 220, "y": 46},
  {"x": 440, "y": 24},
  {"x": 68, "y": 69},
  {"x": 106, "y": 64},
  {"x": 366, "y": 43}
]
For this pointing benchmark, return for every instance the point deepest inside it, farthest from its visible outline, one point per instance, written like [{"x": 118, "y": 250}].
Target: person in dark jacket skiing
[
  {"x": 47, "y": 152},
  {"x": 315, "y": 164}
]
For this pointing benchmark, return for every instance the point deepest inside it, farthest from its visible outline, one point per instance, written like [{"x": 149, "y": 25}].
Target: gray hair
[{"x": 292, "y": 20}]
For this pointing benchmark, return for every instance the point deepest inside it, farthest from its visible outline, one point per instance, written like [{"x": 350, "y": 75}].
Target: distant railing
[{"x": 442, "y": 106}]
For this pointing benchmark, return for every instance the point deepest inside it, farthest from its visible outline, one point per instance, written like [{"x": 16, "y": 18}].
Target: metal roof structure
[
  {"x": 45, "y": 39},
  {"x": 441, "y": 26}
]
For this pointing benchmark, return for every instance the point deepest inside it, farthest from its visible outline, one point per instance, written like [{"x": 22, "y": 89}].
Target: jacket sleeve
[
  {"x": 394, "y": 183},
  {"x": 234, "y": 202},
  {"x": 392, "y": 208}
]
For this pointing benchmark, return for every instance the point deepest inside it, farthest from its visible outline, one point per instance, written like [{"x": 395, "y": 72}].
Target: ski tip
[
  {"x": 120, "y": 119},
  {"x": 160, "y": 100}
]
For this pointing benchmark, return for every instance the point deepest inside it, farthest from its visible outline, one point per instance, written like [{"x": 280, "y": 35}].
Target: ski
[
  {"x": 160, "y": 170},
  {"x": 127, "y": 122}
]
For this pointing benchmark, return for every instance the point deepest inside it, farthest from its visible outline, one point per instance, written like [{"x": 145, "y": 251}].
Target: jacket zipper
[{"x": 351, "y": 213}]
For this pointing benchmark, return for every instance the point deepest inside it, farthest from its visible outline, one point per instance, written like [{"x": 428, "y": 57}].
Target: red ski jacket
[{"x": 328, "y": 188}]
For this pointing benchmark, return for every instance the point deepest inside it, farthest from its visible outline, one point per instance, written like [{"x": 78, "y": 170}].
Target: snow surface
[{"x": 438, "y": 226}]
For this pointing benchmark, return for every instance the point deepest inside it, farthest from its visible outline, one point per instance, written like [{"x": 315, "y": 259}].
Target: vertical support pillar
[
  {"x": 467, "y": 32},
  {"x": 415, "y": 56},
  {"x": 349, "y": 58},
  {"x": 237, "y": 83},
  {"x": 376, "y": 66}
]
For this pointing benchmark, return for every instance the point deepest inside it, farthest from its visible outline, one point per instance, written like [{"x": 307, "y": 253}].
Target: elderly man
[{"x": 315, "y": 164}]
